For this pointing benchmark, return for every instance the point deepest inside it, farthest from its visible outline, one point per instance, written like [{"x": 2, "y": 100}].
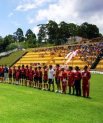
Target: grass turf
[{"x": 19, "y": 104}]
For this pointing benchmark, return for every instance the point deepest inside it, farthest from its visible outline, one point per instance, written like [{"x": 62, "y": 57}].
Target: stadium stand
[
  {"x": 85, "y": 54},
  {"x": 54, "y": 56}
]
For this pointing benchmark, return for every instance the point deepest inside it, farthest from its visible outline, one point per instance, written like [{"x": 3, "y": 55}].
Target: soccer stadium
[{"x": 54, "y": 75}]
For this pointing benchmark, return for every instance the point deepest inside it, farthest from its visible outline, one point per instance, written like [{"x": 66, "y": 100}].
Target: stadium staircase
[{"x": 98, "y": 64}]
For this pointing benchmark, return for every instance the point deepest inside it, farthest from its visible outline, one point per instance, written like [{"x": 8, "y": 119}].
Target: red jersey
[
  {"x": 26, "y": 72},
  {"x": 2, "y": 70},
  {"x": 70, "y": 77},
  {"x": 45, "y": 77},
  {"x": 57, "y": 73},
  {"x": 35, "y": 74},
  {"x": 31, "y": 73},
  {"x": 22, "y": 71},
  {"x": 14, "y": 71},
  {"x": 10, "y": 71},
  {"x": 77, "y": 75},
  {"x": 86, "y": 76},
  {"x": 64, "y": 78},
  {"x": 40, "y": 74},
  {"x": 17, "y": 73}
]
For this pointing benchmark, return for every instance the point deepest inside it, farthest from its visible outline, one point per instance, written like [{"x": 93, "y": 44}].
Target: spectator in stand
[
  {"x": 86, "y": 82},
  {"x": 90, "y": 51}
]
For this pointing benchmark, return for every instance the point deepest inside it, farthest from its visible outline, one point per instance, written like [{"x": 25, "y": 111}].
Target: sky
[{"x": 27, "y": 14}]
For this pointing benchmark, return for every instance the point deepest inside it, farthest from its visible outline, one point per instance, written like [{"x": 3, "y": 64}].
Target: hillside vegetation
[{"x": 10, "y": 59}]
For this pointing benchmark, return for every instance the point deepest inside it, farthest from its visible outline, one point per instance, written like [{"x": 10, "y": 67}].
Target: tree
[
  {"x": 6, "y": 42},
  {"x": 73, "y": 29},
  {"x": 42, "y": 35},
  {"x": 88, "y": 31},
  {"x": 10, "y": 38},
  {"x": 52, "y": 32},
  {"x": 82, "y": 31},
  {"x": 1, "y": 44},
  {"x": 64, "y": 33},
  {"x": 93, "y": 31},
  {"x": 19, "y": 35},
  {"x": 30, "y": 34},
  {"x": 30, "y": 38}
]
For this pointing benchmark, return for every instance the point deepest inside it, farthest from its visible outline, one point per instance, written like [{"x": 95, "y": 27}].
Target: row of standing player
[{"x": 66, "y": 80}]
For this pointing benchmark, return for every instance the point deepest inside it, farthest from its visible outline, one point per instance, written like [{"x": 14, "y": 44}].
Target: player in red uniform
[
  {"x": 22, "y": 74},
  {"x": 57, "y": 78},
  {"x": 18, "y": 71},
  {"x": 36, "y": 78},
  {"x": 1, "y": 73},
  {"x": 70, "y": 75},
  {"x": 10, "y": 75},
  {"x": 14, "y": 74},
  {"x": 77, "y": 82},
  {"x": 45, "y": 77},
  {"x": 26, "y": 75},
  {"x": 31, "y": 73},
  {"x": 86, "y": 75},
  {"x": 64, "y": 81},
  {"x": 40, "y": 78}
]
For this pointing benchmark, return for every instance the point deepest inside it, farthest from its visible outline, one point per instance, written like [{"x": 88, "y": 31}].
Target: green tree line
[{"x": 50, "y": 33}]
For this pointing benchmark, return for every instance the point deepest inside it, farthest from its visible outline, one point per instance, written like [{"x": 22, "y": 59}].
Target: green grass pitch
[{"x": 19, "y": 104}]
